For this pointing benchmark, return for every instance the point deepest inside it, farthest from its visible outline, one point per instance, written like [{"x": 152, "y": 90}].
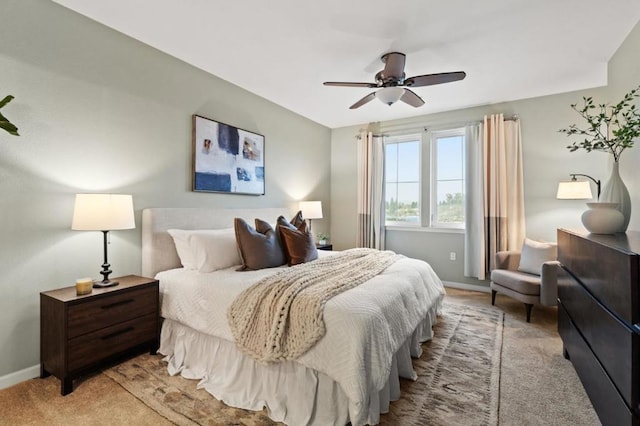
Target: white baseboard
[
  {"x": 19, "y": 376},
  {"x": 463, "y": 286}
]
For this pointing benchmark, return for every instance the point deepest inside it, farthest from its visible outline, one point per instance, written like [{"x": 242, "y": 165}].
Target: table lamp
[
  {"x": 103, "y": 212},
  {"x": 311, "y": 210}
]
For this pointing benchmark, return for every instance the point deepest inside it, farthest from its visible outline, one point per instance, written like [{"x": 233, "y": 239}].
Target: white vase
[
  {"x": 603, "y": 218},
  {"x": 615, "y": 191}
]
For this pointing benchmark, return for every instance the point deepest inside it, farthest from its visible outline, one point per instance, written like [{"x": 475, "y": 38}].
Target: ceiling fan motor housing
[
  {"x": 393, "y": 72},
  {"x": 387, "y": 81}
]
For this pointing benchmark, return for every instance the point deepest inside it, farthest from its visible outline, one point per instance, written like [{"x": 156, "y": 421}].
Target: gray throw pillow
[{"x": 259, "y": 247}]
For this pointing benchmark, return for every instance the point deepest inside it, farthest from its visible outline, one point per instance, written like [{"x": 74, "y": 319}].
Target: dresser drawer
[
  {"x": 608, "y": 403},
  {"x": 605, "y": 266},
  {"x": 111, "y": 309},
  {"x": 612, "y": 342},
  {"x": 91, "y": 348}
]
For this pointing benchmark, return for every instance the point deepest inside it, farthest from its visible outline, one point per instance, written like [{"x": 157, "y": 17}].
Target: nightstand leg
[{"x": 66, "y": 386}]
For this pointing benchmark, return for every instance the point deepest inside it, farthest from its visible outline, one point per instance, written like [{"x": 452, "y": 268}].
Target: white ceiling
[{"x": 283, "y": 50}]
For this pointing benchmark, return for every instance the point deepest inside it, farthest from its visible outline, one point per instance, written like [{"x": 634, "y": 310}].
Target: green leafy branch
[
  {"x": 610, "y": 128},
  {"x": 5, "y": 124}
]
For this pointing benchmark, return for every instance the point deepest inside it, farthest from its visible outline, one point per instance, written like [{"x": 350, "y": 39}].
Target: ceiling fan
[{"x": 391, "y": 80}]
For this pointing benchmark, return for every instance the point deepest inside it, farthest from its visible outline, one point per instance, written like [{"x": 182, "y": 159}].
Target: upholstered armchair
[{"x": 509, "y": 279}]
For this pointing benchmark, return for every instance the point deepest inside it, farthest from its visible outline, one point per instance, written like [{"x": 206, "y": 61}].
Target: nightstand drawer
[
  {"x": 93, "y": 347},
  {"x": 105, "y": 311}
]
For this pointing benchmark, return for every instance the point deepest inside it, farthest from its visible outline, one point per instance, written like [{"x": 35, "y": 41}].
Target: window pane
[
  {"x": 448, "y": 186},
  {"x": 391, "y": 201},
  {"x": 449, "y": 151},
  {"x": 391, "y": 162},
  {"x": 402, "y": 180},
  {"x": 450, "y": 205},
  {"x": 409, "y": 161},
  {"x": 408, "y": 202}
]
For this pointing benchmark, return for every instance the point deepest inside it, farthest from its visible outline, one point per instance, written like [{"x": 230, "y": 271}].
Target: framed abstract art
[{"x": 227, "y": 159}]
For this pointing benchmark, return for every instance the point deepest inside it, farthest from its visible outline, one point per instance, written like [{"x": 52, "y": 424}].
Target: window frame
[
  {"x": 395, "y": 140},
  {"x": 433, "y": 199}
]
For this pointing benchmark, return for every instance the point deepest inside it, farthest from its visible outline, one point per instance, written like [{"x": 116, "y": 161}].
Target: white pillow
[
  {"x": 215, "y": 249},
  {"x": 534, "y": 254},
  {"x": 181, "y": 241}
]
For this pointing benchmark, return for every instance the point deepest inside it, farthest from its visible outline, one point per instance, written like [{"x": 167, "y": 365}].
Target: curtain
[
  {"x": 474, "y": 248},
  {"x": 370, "y": 191},
  {"x": 499, "y": 160}
]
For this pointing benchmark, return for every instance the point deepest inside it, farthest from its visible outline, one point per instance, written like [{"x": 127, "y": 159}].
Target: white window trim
[
  {"x": 409, "y": 137},
  {"x": 433, "y": 202},
  {"x": 426, "y": 223},
  {"x": 405, "y": 228}
]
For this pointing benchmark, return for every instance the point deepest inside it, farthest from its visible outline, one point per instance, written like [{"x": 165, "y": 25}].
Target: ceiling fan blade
[
  {"x": 347, "y": 84},
  {"x": 393, "y": 65},
  {"x": 409, "y": 97},
  {"x": 371, "y": 96},
  {"x": 431, "y": 79}
]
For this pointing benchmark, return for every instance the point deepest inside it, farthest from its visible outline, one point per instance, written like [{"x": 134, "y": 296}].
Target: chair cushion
[
  {"x": 534, "y": 254},
  {"x": 517, "y": 281}
]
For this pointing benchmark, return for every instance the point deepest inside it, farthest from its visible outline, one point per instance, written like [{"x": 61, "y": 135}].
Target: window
[
  {"x": 447, "y": 165},
  {"x": 402, "y": 180},
  {"x": 435, "y": 158}
]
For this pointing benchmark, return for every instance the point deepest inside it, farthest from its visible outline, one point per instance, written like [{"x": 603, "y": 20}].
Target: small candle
[{"x": 84, "y": 286}]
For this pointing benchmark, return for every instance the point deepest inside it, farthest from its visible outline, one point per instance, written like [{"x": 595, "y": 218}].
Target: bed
[{"x": 350, "y": 375}]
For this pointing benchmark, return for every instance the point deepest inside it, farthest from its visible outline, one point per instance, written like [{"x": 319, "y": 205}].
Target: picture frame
[{"x": 226, "y": 158}]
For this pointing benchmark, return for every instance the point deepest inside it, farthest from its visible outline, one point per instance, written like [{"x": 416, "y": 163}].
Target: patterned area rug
[{"x": 458, "y": 380}]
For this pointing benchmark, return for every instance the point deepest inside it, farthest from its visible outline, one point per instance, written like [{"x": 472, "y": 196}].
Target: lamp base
[{"x": 103, "y": 284}]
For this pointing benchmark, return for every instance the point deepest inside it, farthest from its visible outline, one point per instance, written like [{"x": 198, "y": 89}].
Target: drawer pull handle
[
  {"x": 113, "y": 305},
  {"x": 117, "y": 333}
]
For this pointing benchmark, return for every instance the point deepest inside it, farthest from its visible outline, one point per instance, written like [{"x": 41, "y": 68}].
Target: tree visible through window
[{"x": 402, "y": 180}]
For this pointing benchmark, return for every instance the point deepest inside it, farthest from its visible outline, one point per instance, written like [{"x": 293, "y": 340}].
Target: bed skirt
[{"x": 291, "y": 392}]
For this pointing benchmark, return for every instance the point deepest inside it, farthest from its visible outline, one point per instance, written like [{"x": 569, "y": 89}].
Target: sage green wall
[
  {"x": 546, "y": 161},
  {"x": 100, "y": 112}
]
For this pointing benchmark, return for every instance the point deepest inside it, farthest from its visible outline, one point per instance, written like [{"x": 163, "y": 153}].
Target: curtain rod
[{"x": 514, "y": 117}]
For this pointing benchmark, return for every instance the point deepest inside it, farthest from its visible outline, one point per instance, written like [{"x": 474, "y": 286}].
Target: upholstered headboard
[{"x": 159, "y": 252}]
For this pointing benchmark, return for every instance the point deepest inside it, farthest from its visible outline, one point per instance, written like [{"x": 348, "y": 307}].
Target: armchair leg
[
  {"x": 528, "y": 306},
  {"x": 493, "y": 297}
]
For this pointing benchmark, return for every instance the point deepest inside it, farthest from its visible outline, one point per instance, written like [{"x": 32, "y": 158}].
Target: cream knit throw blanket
[{"x": 281, "y": 316}]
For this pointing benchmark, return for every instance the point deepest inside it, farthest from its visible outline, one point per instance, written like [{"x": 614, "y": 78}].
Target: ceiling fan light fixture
[{"x": 390, "y": 95}]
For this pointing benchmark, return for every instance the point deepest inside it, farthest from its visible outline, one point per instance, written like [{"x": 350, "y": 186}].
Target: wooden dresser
[
  {"x": 599, "y": 319},
  {"x": 78, "y": 333}
]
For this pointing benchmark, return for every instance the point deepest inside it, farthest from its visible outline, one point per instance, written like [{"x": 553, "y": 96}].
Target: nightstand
[
  {"x": 327, "y": 247},
  {"x": 80, "y": 333}
]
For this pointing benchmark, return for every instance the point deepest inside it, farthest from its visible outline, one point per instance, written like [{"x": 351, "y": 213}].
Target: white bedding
[{"x": 365, "y": 326}]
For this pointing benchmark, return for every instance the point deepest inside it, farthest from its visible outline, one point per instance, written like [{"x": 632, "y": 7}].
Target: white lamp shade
[
  {"x": 574, "y": 190},
  {"x": 103, "y": 212},
  {"x": 311, "y": 209},
  {"x": 390, "y": 95}
]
